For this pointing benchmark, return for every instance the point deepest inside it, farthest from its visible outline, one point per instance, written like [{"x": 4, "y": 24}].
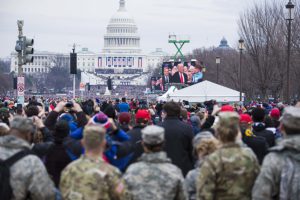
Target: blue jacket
[
  {"x": 118, "y": 149},
  {"x": 124, "y": 107}
]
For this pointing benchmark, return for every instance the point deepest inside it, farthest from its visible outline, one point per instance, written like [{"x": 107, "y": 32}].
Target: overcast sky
[{"x": 56, "y": 24}]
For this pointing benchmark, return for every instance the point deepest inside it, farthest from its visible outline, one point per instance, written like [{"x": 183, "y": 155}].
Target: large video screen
[{"x": 179, "y": 73}]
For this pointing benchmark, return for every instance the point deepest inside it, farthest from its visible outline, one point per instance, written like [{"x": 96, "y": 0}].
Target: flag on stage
[
  {"x": 99, "y": 61},
  {"x": 140, "y": 62}
]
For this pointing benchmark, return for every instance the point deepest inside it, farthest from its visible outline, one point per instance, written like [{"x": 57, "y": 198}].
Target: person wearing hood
[
  {"x": 195, "y": 122},
  {"x": 58, "y": 156},
  {"x": 279, "y": 177}
]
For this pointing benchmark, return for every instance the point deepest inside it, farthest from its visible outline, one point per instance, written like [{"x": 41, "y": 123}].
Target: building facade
[{"x": 120, "y": 59}]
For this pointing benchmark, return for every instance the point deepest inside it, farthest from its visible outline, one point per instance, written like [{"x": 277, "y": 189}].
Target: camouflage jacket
[
  {"x": 191, "y": 179},
  {"x": 228, "y": 173},
  {"x": 28, "y": 176},
  {"x": 267, "y": 184},
  {"x": 86, "y": 178},
  {"x": 154, "y": 177}
]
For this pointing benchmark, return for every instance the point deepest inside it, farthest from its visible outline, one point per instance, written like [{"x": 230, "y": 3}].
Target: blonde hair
[
  {"x": 93, "y": 136},
  {"x": 207, "y": 146},
  {"x": 4, "y": 129}
]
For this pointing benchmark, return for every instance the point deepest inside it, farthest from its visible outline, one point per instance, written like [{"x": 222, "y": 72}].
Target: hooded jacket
[
  {"x": 267, "y": 184},
  {"x": 28, "y": 175}
]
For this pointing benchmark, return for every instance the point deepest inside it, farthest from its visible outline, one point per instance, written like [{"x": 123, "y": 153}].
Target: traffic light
[
  {"x": 28, "y": 50},
  {"x": 73, "y": 63},
  {"x": 25, "y": 49}
]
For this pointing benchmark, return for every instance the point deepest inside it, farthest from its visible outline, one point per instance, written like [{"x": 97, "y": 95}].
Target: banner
[
  {"x": 21, "y": 89},
  {"x": 82, "y": 86},
  {"x": 21, "y": 85}
]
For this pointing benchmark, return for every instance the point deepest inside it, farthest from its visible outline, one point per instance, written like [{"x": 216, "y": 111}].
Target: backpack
[
  {"x": 5, "y": 187},
  {"x": 290, "y": 179}
]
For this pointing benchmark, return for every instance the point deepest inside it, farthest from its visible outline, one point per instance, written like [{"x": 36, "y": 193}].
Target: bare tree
[{"x": 263, "y": 27}]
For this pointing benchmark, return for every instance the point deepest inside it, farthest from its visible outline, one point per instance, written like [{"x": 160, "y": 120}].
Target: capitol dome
[{"x": 121, "y": 33}]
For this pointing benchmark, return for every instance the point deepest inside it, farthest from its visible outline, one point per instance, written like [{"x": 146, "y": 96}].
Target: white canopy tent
[
  {"x": 165, "y": 96},
  {"x": 205, "y": 91}
]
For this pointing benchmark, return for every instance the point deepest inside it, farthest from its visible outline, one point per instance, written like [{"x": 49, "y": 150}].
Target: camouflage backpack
[
  {"x": 290, "y": 178},
  {"x": 5, "y": 187}
]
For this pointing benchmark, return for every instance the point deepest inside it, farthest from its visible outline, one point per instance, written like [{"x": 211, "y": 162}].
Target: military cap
[
  {"x": 291, "y": 117},
  {"x": 229, "y": 118},
  {"x": 153, "y": 135}
]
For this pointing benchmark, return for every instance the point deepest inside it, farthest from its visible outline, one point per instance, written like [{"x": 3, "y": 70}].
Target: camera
[{"x": 69, "y": 104}]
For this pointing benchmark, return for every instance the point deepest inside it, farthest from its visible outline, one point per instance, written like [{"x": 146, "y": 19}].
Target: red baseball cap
[
  {"x": 275, "y": 113},
  {"x": 227, "y": 108},
  {"x": 245, "y": 118},
  {"x": 142, "y": 114}
]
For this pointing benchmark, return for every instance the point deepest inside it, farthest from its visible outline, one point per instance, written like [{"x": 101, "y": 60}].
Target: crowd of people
[{"x": 120, "y": 149}]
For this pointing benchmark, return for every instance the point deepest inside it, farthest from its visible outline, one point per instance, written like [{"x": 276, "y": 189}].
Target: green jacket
[
  {"x": 92, "y": 179},
  {"x": 228, "y": 173}
]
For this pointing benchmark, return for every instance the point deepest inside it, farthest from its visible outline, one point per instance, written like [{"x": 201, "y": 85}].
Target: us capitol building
[{"x": 121, "y": 58}]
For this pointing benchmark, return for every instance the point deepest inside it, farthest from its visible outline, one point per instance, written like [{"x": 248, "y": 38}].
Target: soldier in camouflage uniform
[
  {"x": 229, "y": 172},
  {"x": 280, "y": 172},
  {"x": 154, "y": 177},
  {"x": 204, "y": 143},
  {"x": 28, "y": 176},
  {"x": 90, "y": 177}
]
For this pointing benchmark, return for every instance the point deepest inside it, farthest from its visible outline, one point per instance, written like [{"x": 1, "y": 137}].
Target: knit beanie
[{"x": 101, "y": 119}]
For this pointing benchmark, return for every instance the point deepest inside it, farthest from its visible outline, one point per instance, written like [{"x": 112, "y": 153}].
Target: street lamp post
[
  {"x": 218, "y": 61},
  {"x": 290, "y": 16},
  {"x": 241, "y": 48}
]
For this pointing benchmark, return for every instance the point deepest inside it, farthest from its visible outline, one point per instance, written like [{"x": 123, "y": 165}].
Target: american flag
[
  {"x": 140, "y": 62},
  {"x": 108, "y": 61},
  {"x": 124, "y": 61},
  {"x": 115, "y": 61},
  {"x": 99, "y": 61},
  {"x": 130, "y": 61}
]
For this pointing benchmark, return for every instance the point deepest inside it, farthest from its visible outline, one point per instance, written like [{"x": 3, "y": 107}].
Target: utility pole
[{"x": 73, "y": 67}]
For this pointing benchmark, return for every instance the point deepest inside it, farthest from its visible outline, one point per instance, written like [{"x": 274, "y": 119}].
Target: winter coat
[
  {"x": 259, "y": 129},
  {"x": 28, "y": 176},
  {"x": 178, "y": 143},
  {"x": 228, "y": 173},
  {"x": 258, "y": 145},
  {"x": 267, "y": 184},
  {"x": 136, "y": 143},
  {"x": 41, "y": 149},
  {"x": 56, "y": 160}
]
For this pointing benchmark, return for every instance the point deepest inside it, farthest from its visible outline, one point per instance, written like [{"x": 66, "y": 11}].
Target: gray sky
[{"x": 56, "y": 24}]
